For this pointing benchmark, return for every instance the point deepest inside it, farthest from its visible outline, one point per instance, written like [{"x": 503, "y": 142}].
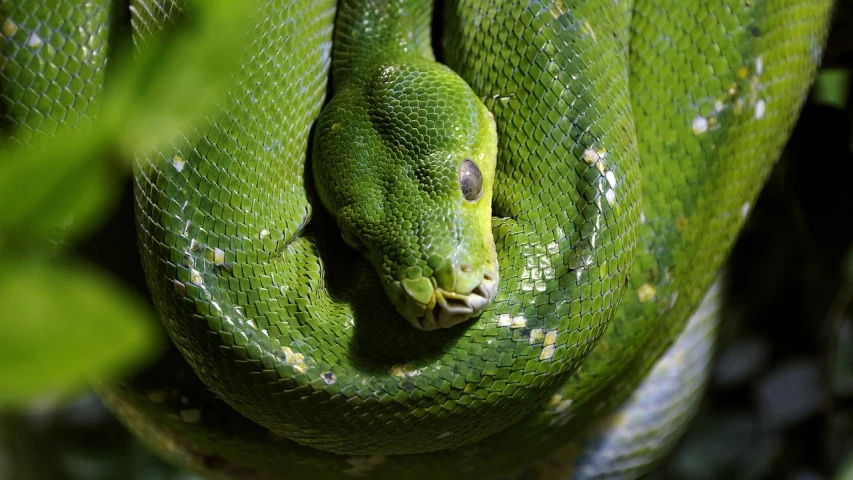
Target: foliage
[{"x": 65, "y": 324}]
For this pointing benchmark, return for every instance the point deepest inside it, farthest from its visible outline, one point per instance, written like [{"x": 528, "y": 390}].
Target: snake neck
[{"x": 368, "y": 32}]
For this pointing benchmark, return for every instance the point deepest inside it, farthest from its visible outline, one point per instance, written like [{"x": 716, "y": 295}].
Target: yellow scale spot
[
  {"x": 587, "y": 28},
  {"x": 550, "y": 338},
  {"x": 291, "y": 357},
  {"x": 195, "y": 277},
  {"x": 518, "y": 322},
  {"x": 536, "y": 336},
  {"x": 646, "y": 292},
  {"x": 178, "y": 162},
  {"x": 742, "y": 72},
  {"x": 180, "y": 288},
  {"x": 590, "y": 156},
  {"x": 504, "y": 320},
  {"x": 218, "y": 256},
  {"x": 557, "y": 8},
  {"x": 611, "y": 179},
  {"x": 595, "y": 158},
  {"x": 335, "y": 127},
  {"x": 296, "y": 360},
  {"x": 700, "y": 125},
  {"x": 681, "y": 223},
  {"x": 34, "y": 41},
  {"x": 400, "y": 371},
  {"x": 9, "y": 28},
  {"x": 469, "y": 388},
  {"x": 547, "y": 352},
  {"x": 732, "y": 91}
]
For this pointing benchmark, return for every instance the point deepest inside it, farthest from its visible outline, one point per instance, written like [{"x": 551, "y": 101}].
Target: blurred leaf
[
  {"x": 830, "y": 87},
  {"x": 67, "y": 183},
  {"x": 180, "y": 75},
  {"x": 149, "y": 101},
  {"x": 65, "y": 326},
  {"x": 846, "y": 470}
]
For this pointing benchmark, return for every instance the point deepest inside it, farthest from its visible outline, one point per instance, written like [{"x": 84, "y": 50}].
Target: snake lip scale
[{"x": 448, "y": 308}]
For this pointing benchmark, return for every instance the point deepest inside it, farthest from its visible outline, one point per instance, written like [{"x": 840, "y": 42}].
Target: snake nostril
[{"x": 466, "y": 268}]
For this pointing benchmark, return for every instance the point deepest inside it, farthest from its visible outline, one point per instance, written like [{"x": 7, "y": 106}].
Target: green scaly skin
[
  {"x": 388, "y": 152},
  {"x": 285, "y": 324},
  {"x": 52, "y": 62},
  {"x": 604, "y": 196}
]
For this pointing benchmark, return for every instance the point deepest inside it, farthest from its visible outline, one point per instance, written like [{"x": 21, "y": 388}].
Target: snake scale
[{"x": 631, "y": 140}]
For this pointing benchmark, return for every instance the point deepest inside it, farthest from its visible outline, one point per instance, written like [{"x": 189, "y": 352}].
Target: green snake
[{"x": 456, "y": 269}]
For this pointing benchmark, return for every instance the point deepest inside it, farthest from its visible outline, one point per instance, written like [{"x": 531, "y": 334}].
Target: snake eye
[{"x": 470, "y": 180}]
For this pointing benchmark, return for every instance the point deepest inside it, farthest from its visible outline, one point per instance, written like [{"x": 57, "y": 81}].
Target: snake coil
[{"x": 632, "y": 139}]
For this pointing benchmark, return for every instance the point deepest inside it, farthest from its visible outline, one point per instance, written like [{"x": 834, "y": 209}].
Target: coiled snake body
[{"x": 632, "y": 139}]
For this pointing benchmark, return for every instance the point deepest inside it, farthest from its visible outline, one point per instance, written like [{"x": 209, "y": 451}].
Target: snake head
[{"x": 405, "y": 161}]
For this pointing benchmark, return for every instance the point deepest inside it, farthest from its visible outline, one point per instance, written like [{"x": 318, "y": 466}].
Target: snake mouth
[{"x": 446, "y": 308}]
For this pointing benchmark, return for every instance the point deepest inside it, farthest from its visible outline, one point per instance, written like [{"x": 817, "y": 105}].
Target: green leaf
[
  {"x": 179, "y": 75},
  {"x": 65, "y": 326},
  {"x": 830, "y": 87},
  {"x": 57, "y": 191},
  {"x": 846, "y": 470},
  {"x": 62, "y": 187}
]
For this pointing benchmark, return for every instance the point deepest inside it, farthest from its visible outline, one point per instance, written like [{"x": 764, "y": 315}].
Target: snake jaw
[{"x": 445, "y": 308}]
